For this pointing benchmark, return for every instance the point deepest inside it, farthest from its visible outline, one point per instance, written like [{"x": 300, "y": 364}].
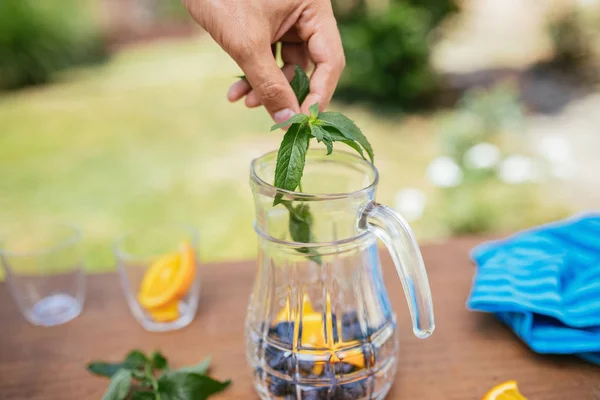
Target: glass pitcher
[{"x": 319, "y": 323}]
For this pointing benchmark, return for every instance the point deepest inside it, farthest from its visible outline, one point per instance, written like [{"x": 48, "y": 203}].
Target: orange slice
[
  {"x": 168, "y": 279},
  {"x": 505, "y": 391},
  {"x": 166, "y": 313}
]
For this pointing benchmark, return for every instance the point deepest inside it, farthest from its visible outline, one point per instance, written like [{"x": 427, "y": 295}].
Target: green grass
[{"x": 149, "y": 138}]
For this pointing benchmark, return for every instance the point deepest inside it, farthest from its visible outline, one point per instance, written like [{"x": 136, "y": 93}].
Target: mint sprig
[
  {"x": 328, "y": 128},
  {"x": 149, "y": 378}
]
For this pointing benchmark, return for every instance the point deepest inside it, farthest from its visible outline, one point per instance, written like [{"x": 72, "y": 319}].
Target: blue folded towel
[{"x": 545, "y": 284}]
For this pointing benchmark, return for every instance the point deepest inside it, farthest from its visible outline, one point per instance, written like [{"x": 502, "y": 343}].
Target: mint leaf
[
  {"x": 243, "y": 77},
  {"x": 188, "y": 386},
  {"x": 322, "y": 136},
  {"x": 295, "y": 119},
  {"x": 134, "y": 360},
  {"x": 355, "y": 146},
  {"x": 158, "y": 360},
  {"x": 143, "y": 396},
  {"x": 317, "y": 132},
  {"x": 300, "y": 222},
  {"x": 335, "y": 136},
  {"x": 347, "y": 128},
  {"x": 300, "y": 84},
  {"x": 119, "y": 386},
  {"x": 314, "y": 111},
  {"x": 291, "y": 158},
  {"x": 200, "y": 368},
  {"x": 104, "y": 369}
]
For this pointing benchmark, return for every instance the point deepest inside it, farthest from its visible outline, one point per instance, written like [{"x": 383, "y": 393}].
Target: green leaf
[
  {"x": 138, "y": 374},
  {"x": 334, "y": 134},
  {"x": 300, "y": 84},
  {"x": 119, "y": 386},
  {"x": 300, "y": 223},
  {"x": 143, "y": 396},
  {"x": 322, "y": 136},
  {"x": 314, "y": 111},
  {"x": 243, "y": 77},
  {"x": 158, "y": 360},
  {"x": 317, "y": 131},
  {"x": 200, "y": 368},
  {"x": 291, "y": 158},
  {"x": 295, "y": 119},
  {"x": 104, "y": 369},
  {"x": 134, "y": 360},
  {"x": 355, "y": 146},
  {"x": 347, "y": 128},
  {"x": 188, "y": 386}
]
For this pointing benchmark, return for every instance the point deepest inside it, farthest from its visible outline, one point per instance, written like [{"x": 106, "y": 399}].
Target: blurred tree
[
  {"x": 38, "y": 39},
  {"x": 387, "y": 46}
]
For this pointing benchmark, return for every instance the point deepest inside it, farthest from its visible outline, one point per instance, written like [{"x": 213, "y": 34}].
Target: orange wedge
[
  {"x": 168, "y": 279},
  {"x": 505, "y": 391},
  {"x": 166, "y": 313}
]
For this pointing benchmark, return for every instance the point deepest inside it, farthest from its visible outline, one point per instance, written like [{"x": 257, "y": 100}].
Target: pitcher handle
[{"x": 398, "y": 237}]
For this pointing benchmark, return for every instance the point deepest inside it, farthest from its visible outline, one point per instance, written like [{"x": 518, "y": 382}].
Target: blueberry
[
  {"x": 306, "y": 366},
  {"x": 351, "y": 391},
  {"x": 316, "y": 394},
  {"x": 278, "y": 360},
  {"x": 343, "y": 368},
  {"x": 279, "y": 387},
  {"x": 284, "y": 332},
  {"x": 351, "y": 329}
]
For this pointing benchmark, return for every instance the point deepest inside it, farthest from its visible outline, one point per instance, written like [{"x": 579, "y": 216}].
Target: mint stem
[{"x": 152, "y": 379}]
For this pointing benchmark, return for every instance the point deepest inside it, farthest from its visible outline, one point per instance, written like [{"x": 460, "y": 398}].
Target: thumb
[{"x": 271, "y": 85}]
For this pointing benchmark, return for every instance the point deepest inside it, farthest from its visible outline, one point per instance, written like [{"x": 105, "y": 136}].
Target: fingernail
[{"x": 283, "y": 115}]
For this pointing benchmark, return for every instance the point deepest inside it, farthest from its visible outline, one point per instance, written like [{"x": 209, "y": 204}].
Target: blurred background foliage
[
  {"x": 140, "y": 133},
  {"x": 39, "y": 39},
  {"x": 388, "y": 47}
]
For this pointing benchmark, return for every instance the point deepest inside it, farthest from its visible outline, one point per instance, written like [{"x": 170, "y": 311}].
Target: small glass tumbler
[
  {"x": 159, "y": 273},
  {"x": 44, "y": 271}
]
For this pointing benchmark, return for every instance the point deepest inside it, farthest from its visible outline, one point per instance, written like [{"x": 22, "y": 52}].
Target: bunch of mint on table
[
  {"x": 142, "y": 377},
  {"x": 327, "y": 128}
]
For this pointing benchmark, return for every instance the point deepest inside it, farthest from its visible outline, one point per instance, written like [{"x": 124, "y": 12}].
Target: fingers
[
  {"x": 326, "y": 51},
  {"x": 238, "y": 90},
  {"x": 270, "y": 84},
  {"x": 292, "y": 54},
  {"x": 253, "y": 97}
]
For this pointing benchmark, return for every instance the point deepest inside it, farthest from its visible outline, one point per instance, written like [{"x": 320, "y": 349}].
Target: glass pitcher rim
[{"x": 302, "y": 196}]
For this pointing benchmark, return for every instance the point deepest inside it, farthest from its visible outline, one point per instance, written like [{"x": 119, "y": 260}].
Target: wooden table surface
[{"x": 467, "y": 354}]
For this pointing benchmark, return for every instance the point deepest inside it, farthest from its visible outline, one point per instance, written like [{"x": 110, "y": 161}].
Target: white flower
[
  {"x": 555, "y": 148},
  {"x": 482, "y": 156},
  {"x": 517, "y": 169},
  {"x": 444, "y": 172},
  {"x": 410, "y": 203}
]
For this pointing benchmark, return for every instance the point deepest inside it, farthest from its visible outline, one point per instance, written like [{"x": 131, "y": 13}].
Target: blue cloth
[{"x": 544, "y": 283}]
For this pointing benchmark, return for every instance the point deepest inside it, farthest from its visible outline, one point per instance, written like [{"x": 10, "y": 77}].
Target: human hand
[{"x": 247, "y": 31}]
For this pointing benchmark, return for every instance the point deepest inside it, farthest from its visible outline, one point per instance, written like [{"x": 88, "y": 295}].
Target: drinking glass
[
  {"x": 44, "y": 272},
  {"x": 159, "y": 273}
]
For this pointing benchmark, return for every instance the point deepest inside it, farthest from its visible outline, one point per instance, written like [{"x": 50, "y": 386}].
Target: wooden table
[{"x": 468, "y": 353}]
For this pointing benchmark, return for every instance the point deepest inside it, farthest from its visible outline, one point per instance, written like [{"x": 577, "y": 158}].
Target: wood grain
[{"x": 468, "y": 353}]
